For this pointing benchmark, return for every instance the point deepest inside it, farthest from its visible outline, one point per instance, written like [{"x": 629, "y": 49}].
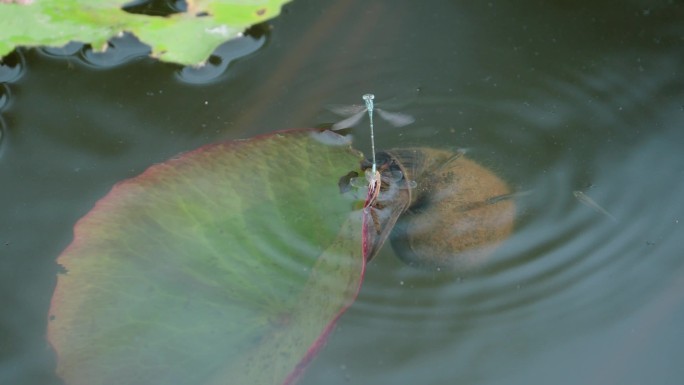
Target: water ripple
[{"x": 586, "y": 131}]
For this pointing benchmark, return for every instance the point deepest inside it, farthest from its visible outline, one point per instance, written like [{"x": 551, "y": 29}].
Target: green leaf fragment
[
  {"x": 186, "y": 38},
  {"x": 227, "y": 265}
]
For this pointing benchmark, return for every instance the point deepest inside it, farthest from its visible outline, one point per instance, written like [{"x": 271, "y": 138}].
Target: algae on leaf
[{"x": 187, "y": 38}]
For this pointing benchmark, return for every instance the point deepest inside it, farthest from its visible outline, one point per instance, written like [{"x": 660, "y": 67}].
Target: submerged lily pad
[
  {"x": 185, "y": 37},
  {"x": 227, "y": 265}
]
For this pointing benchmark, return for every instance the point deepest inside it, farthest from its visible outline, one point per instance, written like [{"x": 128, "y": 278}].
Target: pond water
[{"x": 554, "y": 97}]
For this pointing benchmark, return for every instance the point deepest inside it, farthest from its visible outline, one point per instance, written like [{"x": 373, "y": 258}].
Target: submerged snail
[{"x": 443, "y": 210}]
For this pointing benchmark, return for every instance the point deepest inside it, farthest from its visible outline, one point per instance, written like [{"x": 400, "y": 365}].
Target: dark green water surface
[{"x": 553, "y": 96}]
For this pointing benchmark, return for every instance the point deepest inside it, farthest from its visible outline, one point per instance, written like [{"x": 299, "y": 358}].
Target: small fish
[
  {"x": 514, "y": 195},
  {"x": 582, "y": 197}
]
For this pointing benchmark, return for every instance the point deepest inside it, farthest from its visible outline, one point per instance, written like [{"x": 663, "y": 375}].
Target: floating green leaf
[
  {"x": 227, "y": 265},
  {"x": 186, "y": 37}
]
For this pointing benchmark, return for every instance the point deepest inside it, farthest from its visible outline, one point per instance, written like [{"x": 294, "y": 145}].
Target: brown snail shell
[{"x": 454, "y": 217}]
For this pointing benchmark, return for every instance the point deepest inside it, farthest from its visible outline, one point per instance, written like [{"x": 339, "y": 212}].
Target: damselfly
[{"x": 356, "y": 113}]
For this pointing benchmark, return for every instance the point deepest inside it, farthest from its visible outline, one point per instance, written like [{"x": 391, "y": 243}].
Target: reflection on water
[
  {"x": 119, "y": 51},
  {"x": 216, "y": 67},
  {"x": 4, "y": 101},
  {"x": 12, "y": 67},
  {"x": 552, "y": 97}
]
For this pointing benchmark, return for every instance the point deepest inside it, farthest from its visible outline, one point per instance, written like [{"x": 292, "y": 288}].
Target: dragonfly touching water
[{"x": 354, "y": 115}]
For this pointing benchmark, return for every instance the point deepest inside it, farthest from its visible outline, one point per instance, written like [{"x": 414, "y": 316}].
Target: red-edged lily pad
[{"x": 226, "y": 265}]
